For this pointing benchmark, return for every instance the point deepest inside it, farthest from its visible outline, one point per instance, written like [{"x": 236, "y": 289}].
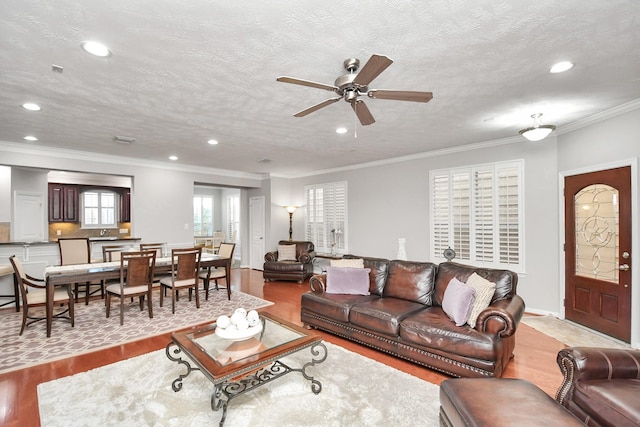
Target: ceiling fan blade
[
  {"x": 317, "y": 107},
  {"x": 372, "y": 69},
  {"x": 401, "y": 95},
  {"x": 293, "y": 80},
  {"x": 363, "y": 113}
]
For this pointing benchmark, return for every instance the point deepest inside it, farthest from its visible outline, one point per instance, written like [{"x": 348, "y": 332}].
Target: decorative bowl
[{"x": 239, "y": 335}]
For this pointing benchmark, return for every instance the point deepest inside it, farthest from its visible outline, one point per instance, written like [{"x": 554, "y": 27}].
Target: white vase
[{"x": 402, "y": 253}]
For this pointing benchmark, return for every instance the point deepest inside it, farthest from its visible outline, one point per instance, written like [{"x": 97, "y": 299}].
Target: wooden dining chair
[
  {"x": 136, "y": 280},
  {"x": 77, "y": 250},
  {"x": 226, "y": 251},
  {"x": 112, "y": 253},
  {"x": 159, "y": 249},
  {"x": 33, "y": 294},
  {"x": 185, "y": 265}
]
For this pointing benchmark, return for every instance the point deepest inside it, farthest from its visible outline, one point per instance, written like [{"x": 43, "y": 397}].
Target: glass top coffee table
[{"x": 235, "y": 366}]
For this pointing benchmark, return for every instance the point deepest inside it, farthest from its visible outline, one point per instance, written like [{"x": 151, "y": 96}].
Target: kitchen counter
[{"x": 55, "y": 242}]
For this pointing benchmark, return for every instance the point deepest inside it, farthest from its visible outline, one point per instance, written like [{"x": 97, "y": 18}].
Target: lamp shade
[
  {"x": 291, "y": 209},
  {"x": 537, "y": 133}
]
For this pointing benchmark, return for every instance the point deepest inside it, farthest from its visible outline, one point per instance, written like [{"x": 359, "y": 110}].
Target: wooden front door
[{"x": 598, "y": 251}]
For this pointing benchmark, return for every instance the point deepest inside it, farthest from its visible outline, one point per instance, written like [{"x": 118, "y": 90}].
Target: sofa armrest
[
  {"x": 317, "y": 283},
  {"x": 592, "y": 363},
  {"x": 307, "y": 257},
  {"x": 271, "y": 256},
  {"x": 502, "y": 317}
]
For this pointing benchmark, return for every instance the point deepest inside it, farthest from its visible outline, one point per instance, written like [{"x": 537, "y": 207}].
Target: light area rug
[
  {"x": 571, "y": 334},
  {"x": 356, "y": 391},
  {"x": 93, "y": 331}
]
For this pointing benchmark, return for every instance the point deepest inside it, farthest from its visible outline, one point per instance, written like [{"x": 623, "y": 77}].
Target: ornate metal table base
[{"x": 226, "y": 390}]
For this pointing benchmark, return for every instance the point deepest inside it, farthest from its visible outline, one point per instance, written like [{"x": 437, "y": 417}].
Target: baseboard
[{"x": 537, "y": 312}]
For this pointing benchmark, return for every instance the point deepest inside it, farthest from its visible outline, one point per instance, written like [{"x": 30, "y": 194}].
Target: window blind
[{"x": 326, "y": 216}]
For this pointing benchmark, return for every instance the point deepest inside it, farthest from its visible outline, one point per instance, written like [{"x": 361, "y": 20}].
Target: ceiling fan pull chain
[{"x": 355, "y": 123}]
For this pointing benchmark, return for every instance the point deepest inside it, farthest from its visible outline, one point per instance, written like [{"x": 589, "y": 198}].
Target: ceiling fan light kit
[
  {"x": 537, "y": 132},
  {"x": 353, "y": 85}
]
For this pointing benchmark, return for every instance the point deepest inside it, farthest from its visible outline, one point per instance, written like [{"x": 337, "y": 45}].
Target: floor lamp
[{"x": 291, "y": 210}]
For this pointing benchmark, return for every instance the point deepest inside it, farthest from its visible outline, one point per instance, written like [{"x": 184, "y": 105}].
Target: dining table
[{"x": 59, "y": 275}]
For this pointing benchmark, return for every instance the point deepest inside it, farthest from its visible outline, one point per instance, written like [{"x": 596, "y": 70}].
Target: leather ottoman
[{"x": 499, "y": 402}]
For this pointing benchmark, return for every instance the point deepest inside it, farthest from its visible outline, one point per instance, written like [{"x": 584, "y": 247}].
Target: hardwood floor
[{"x": 534, "y": 360}]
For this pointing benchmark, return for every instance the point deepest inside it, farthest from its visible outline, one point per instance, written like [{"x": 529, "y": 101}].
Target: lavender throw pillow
[
  {"x": 348, "y": 280},
  {"x": 458, "y": 301}
]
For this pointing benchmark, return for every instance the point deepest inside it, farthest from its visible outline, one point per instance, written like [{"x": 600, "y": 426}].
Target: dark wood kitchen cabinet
[
  {"x": 125, "y": 205},
  {"x": 63, "y": 203}
]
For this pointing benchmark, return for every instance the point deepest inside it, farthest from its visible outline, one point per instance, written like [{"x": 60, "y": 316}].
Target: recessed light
[
  {"x": 95, "y": 48},
  {"x": 341, "y": 130},
  {"x": 212, "y": 142},
  {"x": 561, "y": 67},
  {"x": 30, "y": 138},
  {"x": 31, "y": 106},
  {"x": 173, "y": 157}
]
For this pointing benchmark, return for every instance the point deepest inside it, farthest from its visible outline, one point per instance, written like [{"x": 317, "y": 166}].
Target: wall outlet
[
  {"x": 58, "y": 232},
  {"x": 123, "y": 231}
]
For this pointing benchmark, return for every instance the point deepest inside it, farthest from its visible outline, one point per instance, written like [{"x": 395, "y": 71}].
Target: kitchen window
[
  {"x": 99, "y": 209},
  {"x": 478, "y": 212}
]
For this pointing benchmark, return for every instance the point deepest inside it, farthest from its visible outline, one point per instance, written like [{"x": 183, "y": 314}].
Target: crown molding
[
  {"x": 66, "y": 154},
  {"x": 599, "y": 117}
]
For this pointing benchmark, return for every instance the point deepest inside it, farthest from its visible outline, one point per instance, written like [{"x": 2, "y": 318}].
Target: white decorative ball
[
  {"x": 242, "y": 324},
  {"x": 235, "y": 317},
  {"x": 242, "y": 311},
  {"x": 223, "y": 322},
  {"x": 253, "y": 318}
]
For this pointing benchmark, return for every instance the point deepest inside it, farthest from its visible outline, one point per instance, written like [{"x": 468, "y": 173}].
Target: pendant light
[{"x": 538, "y": 131}]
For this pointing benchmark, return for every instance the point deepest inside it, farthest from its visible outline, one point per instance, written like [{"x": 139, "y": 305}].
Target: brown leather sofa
[
  {"x": 299, "y": 269},
  {"x": 601, "y": 386},
  {"x": 406, "y": 319}
]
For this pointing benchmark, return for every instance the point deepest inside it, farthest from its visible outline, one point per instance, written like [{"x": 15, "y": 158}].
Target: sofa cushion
[
  {"x": 284, "y": 266},
  {"x": 484, "y": 291},
  {"x": 333, "y": 306},
  {"x": 506, "y": 281},
  {"x": 347, "y": 280},
  {"x": 287, "y": 253},
  {"x": 348, "y": 262},
  {"x": 610, "y": 401},
  {"x": 383, "y": 315},
  {"x": 379, "y": 270},
  {"x": 411, "y": 281},
  {"x": 432, "y": 328},
  {"x": 458, "y": 301}
]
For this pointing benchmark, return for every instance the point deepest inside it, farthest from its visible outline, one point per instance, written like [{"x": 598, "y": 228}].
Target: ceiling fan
[{"x": 353, "y": 85}]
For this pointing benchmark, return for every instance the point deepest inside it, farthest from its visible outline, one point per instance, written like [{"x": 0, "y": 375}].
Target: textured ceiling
[{"x": 185, "y": 71}]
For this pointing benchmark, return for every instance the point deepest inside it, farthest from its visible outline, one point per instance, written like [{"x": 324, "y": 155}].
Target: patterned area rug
[
  {"x": 571, "y": 334},
  {"x": 94, "y": 331},
  {"x": 356, "y": 391}
]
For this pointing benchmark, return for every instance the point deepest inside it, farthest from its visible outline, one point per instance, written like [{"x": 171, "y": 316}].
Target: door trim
[{"x": 635, "y": 239}]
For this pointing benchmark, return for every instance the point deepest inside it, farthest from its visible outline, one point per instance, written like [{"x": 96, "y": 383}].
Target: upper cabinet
[
  {"x": 63, "y": 203},
  {"x": 125, "y": 205}
]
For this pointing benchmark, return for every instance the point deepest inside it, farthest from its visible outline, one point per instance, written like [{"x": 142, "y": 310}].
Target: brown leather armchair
[
  {"x": 601, "y": 386},
  {"x": 299, "y": 269}
]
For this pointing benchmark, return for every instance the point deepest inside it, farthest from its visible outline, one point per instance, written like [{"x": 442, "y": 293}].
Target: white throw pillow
[
  {"x": 287, "y": 253},
  {"x": 484, "y": 290},
  {"x": 348, "y": 262}
]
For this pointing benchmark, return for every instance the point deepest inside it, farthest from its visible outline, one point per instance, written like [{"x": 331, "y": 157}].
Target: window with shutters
[
  {"x": 478, "y": 212},
  {"x": 233, "y": 218},
  {"x": 202, "y": 215},
  {"x": 326, "y": 216},
  {"x": 99, "y": 208}
]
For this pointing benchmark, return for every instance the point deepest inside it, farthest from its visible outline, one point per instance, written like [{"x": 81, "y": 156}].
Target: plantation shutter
[
  {"x": 477, "y": 212},
  {"x": 326, "y": 216}
]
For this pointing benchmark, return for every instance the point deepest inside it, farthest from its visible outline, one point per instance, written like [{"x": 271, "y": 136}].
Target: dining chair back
[
  {"x": 226, "y": 251},
  {"x": 185, "y": 265},
  {"x": 33, "y": 294},
  {"x": 158, "y": 247},
  {"x": 113, "y": 252},
  {"x": 77, "y": 250},
  {"x": 136, "y": 279}
]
